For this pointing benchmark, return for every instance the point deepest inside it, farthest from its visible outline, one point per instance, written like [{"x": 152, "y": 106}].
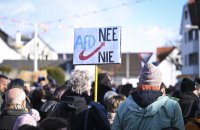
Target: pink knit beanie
[
  {"x": 150, "y": 75},
  {"x": 30, "y": 119}
]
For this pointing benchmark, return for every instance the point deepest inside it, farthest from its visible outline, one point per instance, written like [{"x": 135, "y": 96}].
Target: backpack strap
[
  {"x": 195, "y": 122},
  {"x": 86, "y": 118},
  {"x": 189, "y": 109}
]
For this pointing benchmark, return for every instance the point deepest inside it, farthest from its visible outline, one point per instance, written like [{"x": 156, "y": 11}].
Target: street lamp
[{"x": 188, "y": 26}]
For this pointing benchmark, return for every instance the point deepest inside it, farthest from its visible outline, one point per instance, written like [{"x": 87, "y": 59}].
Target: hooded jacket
[
  {"x": 161, "y": 113},
  {"x": 72, "y": 108},
  {"x": 75, "y": 110}
]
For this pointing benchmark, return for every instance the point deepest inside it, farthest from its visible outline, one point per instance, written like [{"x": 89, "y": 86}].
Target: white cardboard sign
[{"x": 97, "y": 45}]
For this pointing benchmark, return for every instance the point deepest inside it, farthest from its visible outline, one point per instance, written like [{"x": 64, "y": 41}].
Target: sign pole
[
  {"x": 94, "y": 46},
  {"x": 96, "y": 83}
]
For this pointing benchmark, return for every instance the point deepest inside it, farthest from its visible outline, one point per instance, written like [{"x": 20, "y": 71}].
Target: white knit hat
[{"x": 150, "y": 75}]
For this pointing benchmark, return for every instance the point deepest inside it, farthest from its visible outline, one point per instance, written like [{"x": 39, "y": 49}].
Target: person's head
[
  {"x": 104, "y": 79},
  {"x": 3, "y": 83},
  {"x": 42, "y": 80},
  {"x": 38, "y": 94},
  {"x": 150, "y": 75},
  {"x": 49, "y": 90},
  {"x": 27, "y": 88},
  {"x": 51, "y": 80},
  {"x": 15, "y": 98},
  {"x": 114, "y": 102},
  {"x": 108, "y": 95},
  {"x": 119, "y": 88},
  {"x": 59, "y": 92},
  {"x": 197, "y": 89},
  {"x": 16, "y": 83},
  {"x": 187, "y": 85},
  {"x": 31, "y": 119},
  {"x": 126, "y": 89},
  {"x": 79, "y": 82},
  {"x": 54, "y": 123}
]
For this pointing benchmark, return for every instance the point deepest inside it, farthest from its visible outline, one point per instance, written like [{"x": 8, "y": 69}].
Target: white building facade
[
  {"x": 189, "y": 46},
  {"x": 43, "y": 50},
  {"x": 7, "y": 53},
  {"x": 170, "y": 67}
]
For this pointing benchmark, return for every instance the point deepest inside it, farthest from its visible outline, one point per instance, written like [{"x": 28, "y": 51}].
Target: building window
[
  {"x": 193, "y": 59},
  {"x": 185, "y": 60},
  {"x": 196, "y": 34},
  {"x": 186, "y": 14},
  {"x": 190, "y": 35},
  {"x": 185, "y": 36}
]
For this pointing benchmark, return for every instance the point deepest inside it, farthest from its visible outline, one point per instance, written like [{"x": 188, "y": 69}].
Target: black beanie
[{"x": 187, "y": 85}]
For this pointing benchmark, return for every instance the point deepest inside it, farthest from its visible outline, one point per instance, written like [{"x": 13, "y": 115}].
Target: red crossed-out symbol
[{"x": 82, "y": 57}]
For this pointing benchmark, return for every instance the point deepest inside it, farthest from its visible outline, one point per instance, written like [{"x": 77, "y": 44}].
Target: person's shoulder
[
  {"x": 171, "y": 102},
  {"x": 173, "y": 99},
  {"x": 48, "y": 105},
  {"x": 97, "y": 108},
  {"x": 127, "y": 104},
  {"x": 99, "y": 114}
]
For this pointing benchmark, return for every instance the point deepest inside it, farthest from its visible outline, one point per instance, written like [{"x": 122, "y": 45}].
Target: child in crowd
[{"x": 112, "y": 105}]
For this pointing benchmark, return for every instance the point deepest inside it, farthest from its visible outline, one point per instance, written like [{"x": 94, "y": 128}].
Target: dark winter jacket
[
  {"x": 8, "y": 118},
  {"x": 189, "y": 104},
  {"x": 97, "y": 109},
  {"x": 1, "y": 102},
  {"x": 80, "y": 116},
  {"x": 47, "y": 109}
]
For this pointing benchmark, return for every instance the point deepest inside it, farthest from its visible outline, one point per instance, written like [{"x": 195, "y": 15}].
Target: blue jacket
[{"x": 162, "y": 113}]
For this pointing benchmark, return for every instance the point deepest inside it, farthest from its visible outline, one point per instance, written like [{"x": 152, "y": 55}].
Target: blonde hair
[{"x": 114, "y": 102}]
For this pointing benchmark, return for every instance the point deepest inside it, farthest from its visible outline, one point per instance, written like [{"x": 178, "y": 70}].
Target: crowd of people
[{"x": 71, "y": 106}]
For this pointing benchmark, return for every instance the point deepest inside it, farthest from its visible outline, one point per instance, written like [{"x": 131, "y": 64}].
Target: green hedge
[
  {"x": 56, "y": 73},
  {"x": 5, "y": 69}
]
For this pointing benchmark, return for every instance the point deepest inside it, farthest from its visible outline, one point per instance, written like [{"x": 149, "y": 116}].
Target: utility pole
[
  {"x": 36, "y": 48},
  {"x": 127, "y": 67}
]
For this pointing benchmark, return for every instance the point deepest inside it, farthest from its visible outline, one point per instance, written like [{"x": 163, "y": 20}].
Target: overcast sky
[{"x": 146, "y": 24}]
